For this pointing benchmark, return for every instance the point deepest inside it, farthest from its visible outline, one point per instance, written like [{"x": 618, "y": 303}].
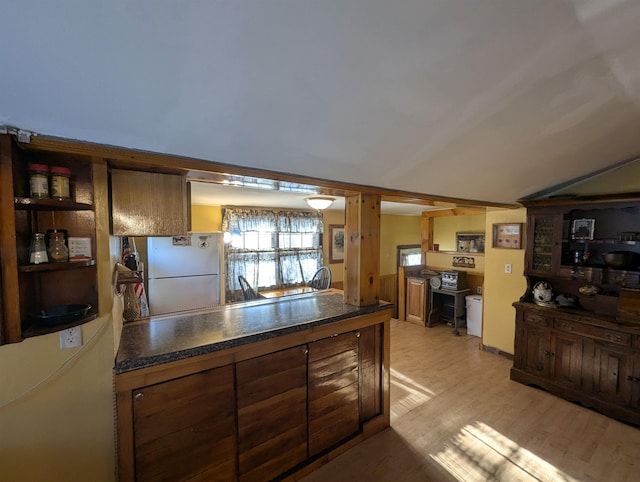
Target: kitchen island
[{"x": 259, "y": 390}]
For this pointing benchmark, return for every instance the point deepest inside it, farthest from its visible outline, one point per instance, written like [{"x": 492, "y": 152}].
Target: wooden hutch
[{"x": 586, "y": 349}]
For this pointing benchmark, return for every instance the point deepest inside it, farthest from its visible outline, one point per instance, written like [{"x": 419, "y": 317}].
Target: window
[
  {"x": 409, "y": 255},
  {"x": 270, "y": 248}
]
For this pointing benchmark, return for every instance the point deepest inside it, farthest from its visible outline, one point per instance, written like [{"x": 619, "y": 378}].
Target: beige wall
[
  {"x": 445, "y": 261},
  {"x": 56, "y": 406},
  {"x": 623, "y": 179},
  {"x": 501, "y": 289},
  {"x": 332, "y": 216},
  {"x": 206, "y": 219},
  {"x": 396, "y": 230},
  {"x": 446, "y": 227}
]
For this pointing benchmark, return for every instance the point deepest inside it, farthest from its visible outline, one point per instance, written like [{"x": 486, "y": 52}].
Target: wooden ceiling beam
[{"x": 125, "y": 158}]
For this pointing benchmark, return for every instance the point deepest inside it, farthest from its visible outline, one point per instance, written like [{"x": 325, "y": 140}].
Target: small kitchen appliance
[{"x": 454, "y": 280}]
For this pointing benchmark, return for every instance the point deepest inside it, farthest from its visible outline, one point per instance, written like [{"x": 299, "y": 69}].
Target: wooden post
[
  {"x": 362, "y": 249},
  {"x": 427, "y": 234}
]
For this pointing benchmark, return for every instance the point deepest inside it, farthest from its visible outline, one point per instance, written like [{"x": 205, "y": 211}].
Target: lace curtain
[{"x": 271, "y": 261}]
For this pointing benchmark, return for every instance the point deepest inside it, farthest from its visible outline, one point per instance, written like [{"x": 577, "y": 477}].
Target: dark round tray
[{"x": 59, "y": 315}]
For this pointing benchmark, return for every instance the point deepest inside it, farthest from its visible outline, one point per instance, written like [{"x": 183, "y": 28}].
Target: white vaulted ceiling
[{"x": 489, "y": 100}]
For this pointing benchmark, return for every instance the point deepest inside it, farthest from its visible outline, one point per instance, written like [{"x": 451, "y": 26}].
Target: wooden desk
[
  {"x": 286, "y": 292},
  {"x": 457, "y": 305}
]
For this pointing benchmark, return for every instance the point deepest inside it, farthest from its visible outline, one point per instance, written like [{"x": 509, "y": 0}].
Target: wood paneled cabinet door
[
  {"x": 544, "y": 244},
  {"x": 272, "y": 413},
  {"x": 333, "y": 382},
  {"x": 148, "y": 203},
  {"x": 634, "y": 380},
  {"x": 370, "y": 372},
  {"x": 533, "y": 349},
  {"x": 613, "y": 377},
  {"x": 184, "y": 429},
  {"x": 550, "y": 353},
  {"x": 566, "y": 358},
  {"x": 416, "y": 308}
]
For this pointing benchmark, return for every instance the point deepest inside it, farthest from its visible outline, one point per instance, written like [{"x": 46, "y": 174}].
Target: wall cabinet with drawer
[{"x": 589, "y": 359}]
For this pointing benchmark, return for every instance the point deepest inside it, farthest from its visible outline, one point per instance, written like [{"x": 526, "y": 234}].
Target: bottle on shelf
[{"x": 38, "y": 253}]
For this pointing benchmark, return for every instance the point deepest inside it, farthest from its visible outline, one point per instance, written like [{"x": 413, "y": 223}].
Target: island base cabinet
[
  {"x": 272, "y": 413},
  {"x": 334, "y": 411},
  {"x": 256, "y": 412},
  {"x": 184, "y": 429}
]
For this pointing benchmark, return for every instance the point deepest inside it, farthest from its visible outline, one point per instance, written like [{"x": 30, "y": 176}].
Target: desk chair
[{"x": 321, "y": 279}]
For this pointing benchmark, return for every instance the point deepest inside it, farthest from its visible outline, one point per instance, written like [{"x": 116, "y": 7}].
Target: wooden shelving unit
[{"x": 27, "y": 289}]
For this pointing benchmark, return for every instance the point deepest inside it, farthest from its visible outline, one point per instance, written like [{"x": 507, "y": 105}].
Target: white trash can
[{"x": 474, "y": 315}]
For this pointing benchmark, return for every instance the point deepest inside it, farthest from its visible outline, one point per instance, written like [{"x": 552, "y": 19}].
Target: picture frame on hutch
[{"x": 583, "y": 228}]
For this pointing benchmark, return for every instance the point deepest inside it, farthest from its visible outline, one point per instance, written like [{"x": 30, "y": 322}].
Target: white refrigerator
[{"x": 185, "y": 272}]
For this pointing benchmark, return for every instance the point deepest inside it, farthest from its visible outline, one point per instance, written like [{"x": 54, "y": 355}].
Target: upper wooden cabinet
[
  {"x": 567, "y": 241},
  {"x": 30, "y": 290},
  {"x": 148, "y": 203}
]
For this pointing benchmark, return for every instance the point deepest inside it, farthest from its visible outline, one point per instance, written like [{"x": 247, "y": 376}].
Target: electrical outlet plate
[
  {"x": 71, "y": 337},
  {"x": 507, "y": 268}
]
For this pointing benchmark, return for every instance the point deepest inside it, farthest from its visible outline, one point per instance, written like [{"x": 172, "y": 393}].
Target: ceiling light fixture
[{"x": 319, "y": 203}]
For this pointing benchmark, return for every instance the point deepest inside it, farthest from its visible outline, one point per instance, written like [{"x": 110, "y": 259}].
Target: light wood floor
[{"x": 455, "y": 415}]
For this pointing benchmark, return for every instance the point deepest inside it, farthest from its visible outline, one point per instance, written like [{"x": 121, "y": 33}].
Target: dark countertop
[{"x": 169, "y": 338}]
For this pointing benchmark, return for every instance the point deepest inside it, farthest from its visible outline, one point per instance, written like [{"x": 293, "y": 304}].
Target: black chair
[
  {"x": 321, "y": 279},
  {"x": 247, "y": 291}
]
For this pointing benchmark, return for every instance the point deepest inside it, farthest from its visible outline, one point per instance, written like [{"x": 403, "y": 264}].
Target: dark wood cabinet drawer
[
  {"x": 594, "y": 332},
  {"x": 536, "y": 319}
]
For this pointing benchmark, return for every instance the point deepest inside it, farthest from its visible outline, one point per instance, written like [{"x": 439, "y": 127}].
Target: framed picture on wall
[
  {"x": 336, "y": 243},
  {"x": 507, "y": 235},
  {"x": 470, "y": 242}
]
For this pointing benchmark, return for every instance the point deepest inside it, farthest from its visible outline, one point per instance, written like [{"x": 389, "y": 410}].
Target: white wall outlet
[
  {"x": 479, "y": 290},
  {"x": 507, "y": 268},
  {"x": 71, "y": 337}
]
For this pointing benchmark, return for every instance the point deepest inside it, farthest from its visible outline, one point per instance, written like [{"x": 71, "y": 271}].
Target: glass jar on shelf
[
  {"x": 58, "y": 251},
  {"x": 38, "y": 252}
]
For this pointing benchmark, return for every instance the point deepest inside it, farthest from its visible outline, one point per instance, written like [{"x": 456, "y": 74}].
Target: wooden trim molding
[
  {"x": 131, "y": 158},
  {"x": 496, "y": 351}
]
